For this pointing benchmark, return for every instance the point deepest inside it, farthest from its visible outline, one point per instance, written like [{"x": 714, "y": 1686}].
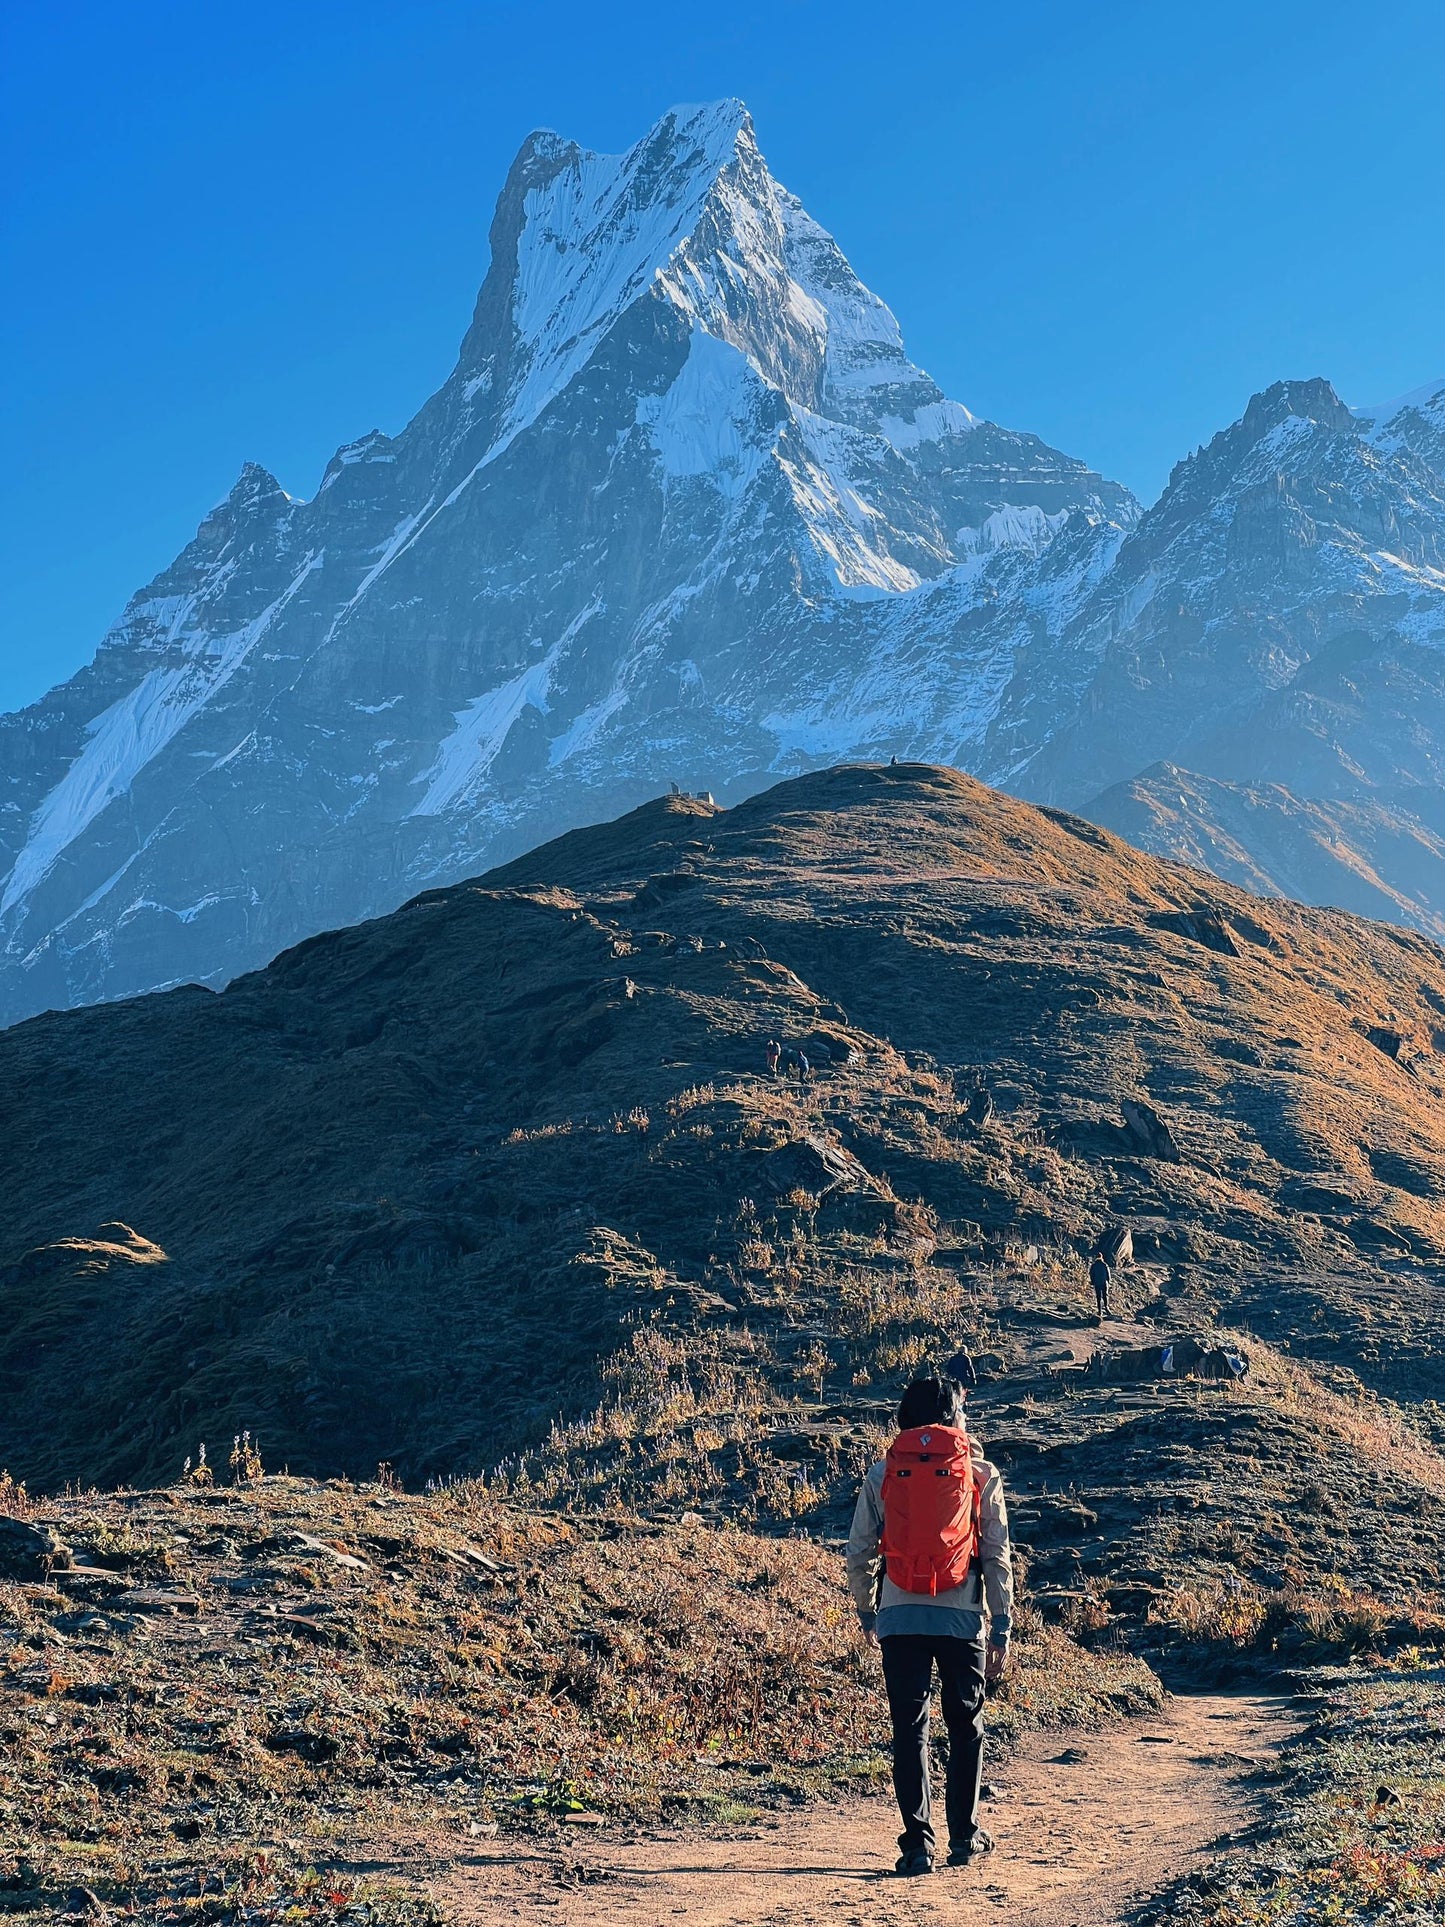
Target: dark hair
[{"x": 930, "y": 1401}]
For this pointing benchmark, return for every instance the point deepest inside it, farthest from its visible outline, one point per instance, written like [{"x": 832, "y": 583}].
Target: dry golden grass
[{"x": 339, "y": 1661}]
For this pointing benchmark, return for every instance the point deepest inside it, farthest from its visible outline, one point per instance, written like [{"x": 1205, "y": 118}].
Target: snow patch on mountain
[
  {"x": 481, "y": 728},
  {"x": 1025, "y": 527},
  {"x": 935, "y": 421},
  {"x": 824, "y": 478},
  {"x": 1429, "y": 396},
  {"x": 707, "y": 423},
  {"x": 131, "y": 733},
  {"x": 465, "y": 756}
]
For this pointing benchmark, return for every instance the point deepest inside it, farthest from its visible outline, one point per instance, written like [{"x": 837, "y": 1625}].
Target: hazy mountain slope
[
  {"x": 1272, "y": 634},
  {"x": 1360, "y": 855},
  {"x": 1276, "y": 584},
  {"x": 404, "y": 1194},
  {"x": 682, "y": 493}
]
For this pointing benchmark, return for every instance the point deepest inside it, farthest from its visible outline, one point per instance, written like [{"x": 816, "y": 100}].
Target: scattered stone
[
  {"x": 468, "y": 1554},
  {"x": 313, "y": 1544},
  {"x": 29, "y": 1550},
  {"x": 1147, "y": 1133},
  {"x": 148, "y": 1599}
]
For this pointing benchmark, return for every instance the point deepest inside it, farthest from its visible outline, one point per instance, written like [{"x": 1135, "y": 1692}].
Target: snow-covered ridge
[
  {"x": 123, "y": 739},
  {"x": 1013, "y": 528},
  {"x": 865, "y": 366}
]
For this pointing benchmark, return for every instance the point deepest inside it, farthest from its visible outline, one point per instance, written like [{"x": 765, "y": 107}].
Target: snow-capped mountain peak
[
  {"x": 692, "y": 219},
  {"x": 592, "y": 233},
  {"x": 684, "y": 508}
]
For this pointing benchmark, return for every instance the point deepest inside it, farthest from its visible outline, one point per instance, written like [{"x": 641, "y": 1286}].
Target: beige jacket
[{"x": 986, "y": 1594}]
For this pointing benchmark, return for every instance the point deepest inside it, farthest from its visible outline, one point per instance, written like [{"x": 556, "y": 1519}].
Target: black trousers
[{"x": 908, "y": 1662}]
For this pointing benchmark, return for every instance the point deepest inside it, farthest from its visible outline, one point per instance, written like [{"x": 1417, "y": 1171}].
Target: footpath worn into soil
[{"x": 1087, "y": 1825}]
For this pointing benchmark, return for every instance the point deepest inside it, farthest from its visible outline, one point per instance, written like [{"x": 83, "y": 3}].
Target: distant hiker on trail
[
  {"x": 805, "y": 1069},
  {"x": 962, "y": 1370},
  {"x": 772, "y": 1056},
  {"x": 1101, "y": 1277},
  {"x": 929, "y": 1570}
]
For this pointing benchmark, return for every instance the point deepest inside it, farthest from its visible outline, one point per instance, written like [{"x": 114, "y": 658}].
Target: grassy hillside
[{"x": 414, "y": 1192}]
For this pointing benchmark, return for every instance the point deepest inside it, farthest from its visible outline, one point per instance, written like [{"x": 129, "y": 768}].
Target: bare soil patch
[{"x": 1086, "y": 1828}]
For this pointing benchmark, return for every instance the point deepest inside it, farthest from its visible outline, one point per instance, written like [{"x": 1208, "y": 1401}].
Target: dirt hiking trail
[{"x": 1086, "y": 1825}]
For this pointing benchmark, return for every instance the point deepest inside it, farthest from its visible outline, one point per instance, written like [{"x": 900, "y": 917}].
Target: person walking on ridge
[
  {"x": 962, "y": 1370},
  {"x": 1101, "y": 1277},
  {"x": 929, "y": 1570}
]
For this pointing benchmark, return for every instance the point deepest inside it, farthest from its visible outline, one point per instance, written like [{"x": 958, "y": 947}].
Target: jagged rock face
[{"x": 682, "y": 478}]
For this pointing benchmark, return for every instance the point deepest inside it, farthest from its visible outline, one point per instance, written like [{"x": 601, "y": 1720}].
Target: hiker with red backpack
[{"x": 929, "y": 1570}]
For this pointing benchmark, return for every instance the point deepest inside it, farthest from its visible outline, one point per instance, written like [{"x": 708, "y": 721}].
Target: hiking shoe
[
  {"x": 979, "y": 1841},
  {"x": 917, "y": 1860}
]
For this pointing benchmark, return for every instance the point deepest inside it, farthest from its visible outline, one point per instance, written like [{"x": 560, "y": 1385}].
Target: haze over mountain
[{"x": 685, "y": 510}]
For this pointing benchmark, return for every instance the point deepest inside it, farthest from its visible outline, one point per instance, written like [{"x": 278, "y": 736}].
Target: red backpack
[{"x": 931, "y": 1495}]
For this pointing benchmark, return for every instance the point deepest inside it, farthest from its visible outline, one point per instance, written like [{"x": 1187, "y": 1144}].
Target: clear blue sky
[{"x": 244, "y": 229}]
